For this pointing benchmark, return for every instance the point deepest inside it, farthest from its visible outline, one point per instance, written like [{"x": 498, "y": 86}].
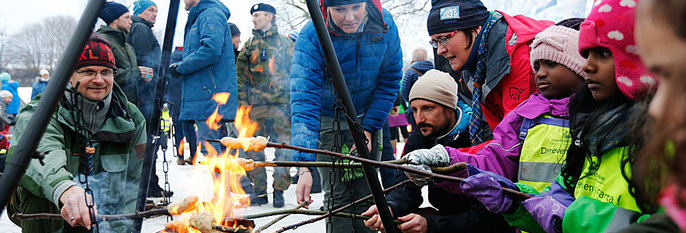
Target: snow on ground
[{"x": 186, "y": 180}]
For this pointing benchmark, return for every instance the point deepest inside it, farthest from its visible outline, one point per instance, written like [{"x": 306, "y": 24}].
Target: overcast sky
[{"x": 15, "y": 14}]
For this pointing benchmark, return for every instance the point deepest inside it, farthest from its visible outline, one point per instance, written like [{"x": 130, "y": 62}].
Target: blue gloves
[{"x": 487, "y": 187}]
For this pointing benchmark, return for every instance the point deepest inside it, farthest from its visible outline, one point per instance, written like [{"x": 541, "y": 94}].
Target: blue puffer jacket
[
  {"x": 372, "y": 66},
  {"x": 208, "y": 66},
  {"x": 12, "y": 87}
]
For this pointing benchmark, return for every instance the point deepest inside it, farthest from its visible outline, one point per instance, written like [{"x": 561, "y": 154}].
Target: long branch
[
  {"x": 338, "y": 210},
  {"x": 103, "y": 217},
  {"x": 274, "y": 221},
  {"x": 440, "y": 170},
  {"x": 381, "y": 164}
]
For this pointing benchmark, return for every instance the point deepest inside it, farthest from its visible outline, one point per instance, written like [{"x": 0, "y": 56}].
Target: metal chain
[
  {"x": 85, "y": 161},
  {"x": 165, "y": 166},
  {"x": 336, "y": 127}
]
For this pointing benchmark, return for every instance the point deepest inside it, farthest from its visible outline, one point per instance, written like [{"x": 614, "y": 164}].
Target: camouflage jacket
[{"x": 263, "y": 68}]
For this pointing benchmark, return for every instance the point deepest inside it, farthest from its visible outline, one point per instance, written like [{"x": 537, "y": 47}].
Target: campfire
[{"x": 216, "y": 214}]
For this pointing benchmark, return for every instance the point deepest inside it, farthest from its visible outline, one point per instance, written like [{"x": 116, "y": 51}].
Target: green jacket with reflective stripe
[{"x": 603, "y": 201}]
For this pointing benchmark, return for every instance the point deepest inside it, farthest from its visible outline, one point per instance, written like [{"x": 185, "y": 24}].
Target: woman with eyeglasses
[
  {"x": 488, "y": 54},
  {"x": 367, "y": 46}
]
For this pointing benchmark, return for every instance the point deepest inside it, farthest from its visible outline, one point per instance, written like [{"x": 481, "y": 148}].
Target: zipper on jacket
[{"x": 212, "y": 78}]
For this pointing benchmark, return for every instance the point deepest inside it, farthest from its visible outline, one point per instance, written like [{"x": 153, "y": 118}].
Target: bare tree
[
  {"x": 40, "y": 45},
  {"x": 5, "y": 58}
]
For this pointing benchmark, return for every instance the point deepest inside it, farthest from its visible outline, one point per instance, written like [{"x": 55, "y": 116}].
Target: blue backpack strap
[{"x": 528, "y": 123}]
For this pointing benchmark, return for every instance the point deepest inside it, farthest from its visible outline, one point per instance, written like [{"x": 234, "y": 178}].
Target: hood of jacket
[
  {"x": 116, "y": 33},
  {"x": 202, "y": 6},
  {"x": 137, "y": 19},
  {"x": 537, "y": 105},
  {"x": 374, "y": 23},
  {"x": 11, "y": 83},
  {"x": 423, "y": 66}
]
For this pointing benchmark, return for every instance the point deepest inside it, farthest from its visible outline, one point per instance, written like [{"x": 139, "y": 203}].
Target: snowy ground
[{"x": 186, "y": 180}]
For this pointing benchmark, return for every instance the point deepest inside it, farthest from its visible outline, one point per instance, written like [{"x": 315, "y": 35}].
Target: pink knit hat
[
  {"x": 611, "y": 25},
  {"x": 558, "y": 44}
]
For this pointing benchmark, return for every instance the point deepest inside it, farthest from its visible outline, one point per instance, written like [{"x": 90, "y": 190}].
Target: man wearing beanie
[
  {"x": 488, "y": 52},
  {"x": 263, "y": 67},
  {"x": 439, "y": 120},
  {"x": 207, "y": 67},
  {"x": 148, "y": 53},
  {"x": 365, "y": 38},
  {"x": 118, "y": 23},
  {"x": 235, "y": 39},
  {"x": 112, "y": 170}
]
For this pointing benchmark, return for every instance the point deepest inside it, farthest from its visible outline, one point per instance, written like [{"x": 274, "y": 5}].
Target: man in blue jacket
[
  {"x": 11, "y": 86},
  {"x": 368, "y": 48},
  {"x": 207, "y": 68}
]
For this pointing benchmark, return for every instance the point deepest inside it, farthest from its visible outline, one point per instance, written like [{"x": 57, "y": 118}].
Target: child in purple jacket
[{"x": 531, "y": 142}]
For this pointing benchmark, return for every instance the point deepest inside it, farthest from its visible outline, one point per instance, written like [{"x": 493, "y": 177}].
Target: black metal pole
[
  {"x": 154, "y": 125},
  {"x": 26, "y": 148},
  {"x": 355, "y": 129}
]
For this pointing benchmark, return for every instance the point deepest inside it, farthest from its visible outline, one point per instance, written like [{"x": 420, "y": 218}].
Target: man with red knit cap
[{"x": 95, "y": 139}]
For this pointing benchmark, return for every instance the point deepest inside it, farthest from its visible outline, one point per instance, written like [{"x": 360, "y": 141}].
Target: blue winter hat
[
  {"x": 112, "y": 11},
  {"x": 5, "y": 76},
  {"x": 263, "y": 7},
  {"x": 141, "y": 5},
  {"x": 451, "y": 15},
  {"x": 329, "y": 3}
]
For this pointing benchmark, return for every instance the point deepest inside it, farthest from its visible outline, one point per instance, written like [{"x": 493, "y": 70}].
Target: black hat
[
  {"x": 451, "y": 15},
  {"x": 262, "y": 7},
  {"x": 112, "y": 11},
  {"x": 234, "y": 30}
]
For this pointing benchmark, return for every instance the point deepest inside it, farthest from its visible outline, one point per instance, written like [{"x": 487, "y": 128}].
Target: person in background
[
  {"x": 148, "y": 54},
  {"x": 365, "y": 37},
  {"x": 12, "y": 86},
  {"x": 263, "y": 69},
  {"x": 235, "y": 39},
  {"x": 418, "y": 66},
  {"x": 182, "y": 129},
  {"x": 207, "y": 68},
  {"x": 40, "y": 84},
  {"x": 109, "y": 123},
  {"x": 5, "y": 123},
  {"x": 118, "y": 23}
]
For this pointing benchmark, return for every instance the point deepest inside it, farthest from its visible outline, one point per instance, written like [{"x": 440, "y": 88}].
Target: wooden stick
[
  {"x": 103, "y": 217},
  {"x": 389, "y": 165},
  {"x": 274, "y": 221},
  {"x": 440, "y": 170},
  {"x": 312, "y": 220}
]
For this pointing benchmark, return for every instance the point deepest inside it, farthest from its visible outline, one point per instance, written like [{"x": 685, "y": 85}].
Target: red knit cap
[
  {"x": 611, "y": 25},
  {"x": 96, "y": 52}
]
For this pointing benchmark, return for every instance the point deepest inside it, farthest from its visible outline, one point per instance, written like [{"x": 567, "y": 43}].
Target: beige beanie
[{"x": 436, "y": 86}]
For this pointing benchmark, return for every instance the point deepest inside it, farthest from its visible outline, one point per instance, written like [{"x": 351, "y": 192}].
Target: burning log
[{"x": 249, "y": 165}]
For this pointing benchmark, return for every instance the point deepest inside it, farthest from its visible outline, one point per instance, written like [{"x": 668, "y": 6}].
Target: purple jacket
[{"x": 501, "y": 155}]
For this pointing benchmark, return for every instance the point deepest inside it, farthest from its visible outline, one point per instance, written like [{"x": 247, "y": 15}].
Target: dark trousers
[{"x": 184, "y": 129}]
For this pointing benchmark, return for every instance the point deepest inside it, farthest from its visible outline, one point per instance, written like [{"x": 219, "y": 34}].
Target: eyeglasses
[
  {"x": 442, "y": 40},
  {"x": 92, "y": 74}
]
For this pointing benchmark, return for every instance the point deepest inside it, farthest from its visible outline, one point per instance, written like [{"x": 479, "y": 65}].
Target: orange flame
[
  {"x": 272, "y": 70},
  {"x": 212, "y": 121},
  {"x": 409, "y": 128},
  {"x": 181, "y": 147},
  {"x": 226, "y": 172}
]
